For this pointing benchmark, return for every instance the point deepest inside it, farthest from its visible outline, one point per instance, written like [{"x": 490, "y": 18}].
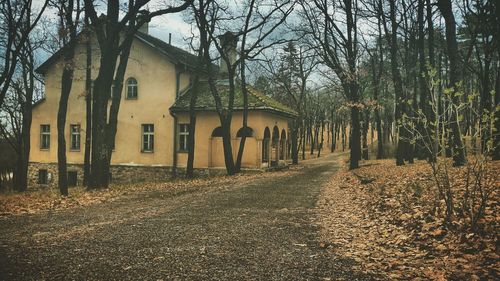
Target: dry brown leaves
[
  {"x": 386, "y": 218},
  {"x": 50, "y": 199}
]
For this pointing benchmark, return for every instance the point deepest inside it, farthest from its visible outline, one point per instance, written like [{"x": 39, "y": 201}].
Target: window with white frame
[
  {"x": 183, "y": 137},
  {"x": 148, "y": 137},
  {"x": 44, "y": 136},
  {"x": 131, "y": 88},
  {"x": 74, "y": 137}
]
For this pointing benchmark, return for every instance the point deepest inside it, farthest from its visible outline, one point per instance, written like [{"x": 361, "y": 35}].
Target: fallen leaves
[
  {"x": 34, "y": 201},
  {"x": 386, "y": 218}
]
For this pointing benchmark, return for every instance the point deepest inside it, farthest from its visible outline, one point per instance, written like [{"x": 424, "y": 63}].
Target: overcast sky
[{"x": 159, "y": 27}]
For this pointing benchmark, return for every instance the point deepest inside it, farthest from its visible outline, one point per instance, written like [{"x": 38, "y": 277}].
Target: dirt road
[{"x": 260, "y": 230}]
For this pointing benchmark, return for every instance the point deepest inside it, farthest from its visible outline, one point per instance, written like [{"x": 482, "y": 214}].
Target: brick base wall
[{"x": 119, "y": 173}]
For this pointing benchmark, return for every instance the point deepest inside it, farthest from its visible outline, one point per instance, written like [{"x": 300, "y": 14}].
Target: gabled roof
[
  {"x": 206, "y": 102},
  {"x": 174, "y": 54}
]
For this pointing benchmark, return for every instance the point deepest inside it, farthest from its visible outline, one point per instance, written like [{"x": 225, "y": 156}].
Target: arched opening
[
  {"x": 132, "y": 92},
  {"x": 265, "y": 145},
  {"x": 217, "y": 132},
  {"x": 275, "y": 145},
  {"x": 245, "y": 131},
  {"x": 283, "y": 148}
]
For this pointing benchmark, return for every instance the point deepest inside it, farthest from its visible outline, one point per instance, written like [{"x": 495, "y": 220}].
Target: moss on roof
[{"x": 206, "y": 102}]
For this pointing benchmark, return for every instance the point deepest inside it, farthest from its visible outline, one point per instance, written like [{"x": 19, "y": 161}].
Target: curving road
[{"x": 260, "y": 230}]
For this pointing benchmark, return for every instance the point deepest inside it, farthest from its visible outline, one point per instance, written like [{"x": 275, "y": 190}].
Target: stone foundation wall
[
  {"x": 34, "y": 168},
  {"x": 135, "y": 174},
  {"x": 119, "y": 173}
]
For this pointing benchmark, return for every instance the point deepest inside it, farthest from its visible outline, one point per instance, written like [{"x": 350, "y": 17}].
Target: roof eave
[{"x": 260, "y": 108}]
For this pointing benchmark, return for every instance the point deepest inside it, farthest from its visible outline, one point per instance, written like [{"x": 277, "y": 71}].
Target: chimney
[
  {"x": 228, "y": 41},
  {"x": 144, "y": 28},
  {"x": 170, "y": 38}
]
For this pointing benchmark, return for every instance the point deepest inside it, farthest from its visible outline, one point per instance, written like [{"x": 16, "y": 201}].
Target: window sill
[
  {"x": 44, "y": 149},
  {"x": 74, "y": 150},
  {"x": 147, "y": 151},
  {"x": 130, "y": 98}
]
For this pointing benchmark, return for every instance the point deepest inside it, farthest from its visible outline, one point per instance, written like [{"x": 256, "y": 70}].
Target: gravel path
[{"x": 260, "y": 230}]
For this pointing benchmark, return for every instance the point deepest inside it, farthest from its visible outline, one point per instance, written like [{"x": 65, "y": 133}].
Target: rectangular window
[
  {"x": 183, "y": 137},
  {"x": 42, "y": 176},
  {"x": 44, "y": 136},
  {"x": 148, "y": 137},
  {"x": 75, "y": 137}
]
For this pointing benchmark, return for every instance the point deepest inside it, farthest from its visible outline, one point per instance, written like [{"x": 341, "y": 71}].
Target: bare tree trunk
[
  {"x": 376, "y": 75},
  {"x": 445, "y": 7},
  {"x": 66, "y": 83},
  {"x": 99, "y": 152},
  {"x": 226, "y": 141},
  {"x": 334, "y": 132},
  {"x": 398, "y": 85},
  {"x": 67, "y": 22},
  {"x": 241, "y": 147},
  {"x": 88, "y": 106},
  {"x": 303, "y": 142},
  {"x": 320, "y": 146},
  {"x": 192, "y": 131},
  {"x": 20, "y": 179},
  {"x": 496, "y": 138},
  {"x": 294, "y": 140},
  {"x": 365, "y": 134}
]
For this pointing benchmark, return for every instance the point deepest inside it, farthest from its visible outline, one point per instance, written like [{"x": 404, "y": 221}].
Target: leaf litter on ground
[{"x": 385, "y": 217}]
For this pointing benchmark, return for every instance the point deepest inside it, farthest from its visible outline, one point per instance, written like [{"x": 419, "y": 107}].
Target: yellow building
[{"x": 153, "y": 119}]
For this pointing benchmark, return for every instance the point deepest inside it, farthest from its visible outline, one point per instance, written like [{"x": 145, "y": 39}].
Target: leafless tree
[
  {"x": 16, "y": 112},
  {"x": 333, "y": 29},
  {"x": 256, "y": 25},
  {"x": 18, "y": 18},
  {"x": 290, "y": 73},
  {"x": 115, "y": 33},
  {"x": 69, "y": 19}
]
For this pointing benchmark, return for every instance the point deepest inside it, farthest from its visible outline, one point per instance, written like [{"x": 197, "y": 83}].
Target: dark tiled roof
[
  {"x": 174, "y": 54},
  {"x": 205, "y": 100}
]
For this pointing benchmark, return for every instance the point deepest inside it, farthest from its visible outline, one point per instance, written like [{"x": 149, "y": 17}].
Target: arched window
[
  {"x": 267, "y": 133},
  {"x": 132, "y": 88},
  {"x": 217, "y": 132},
  {"x": 245, "y": 131}
]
